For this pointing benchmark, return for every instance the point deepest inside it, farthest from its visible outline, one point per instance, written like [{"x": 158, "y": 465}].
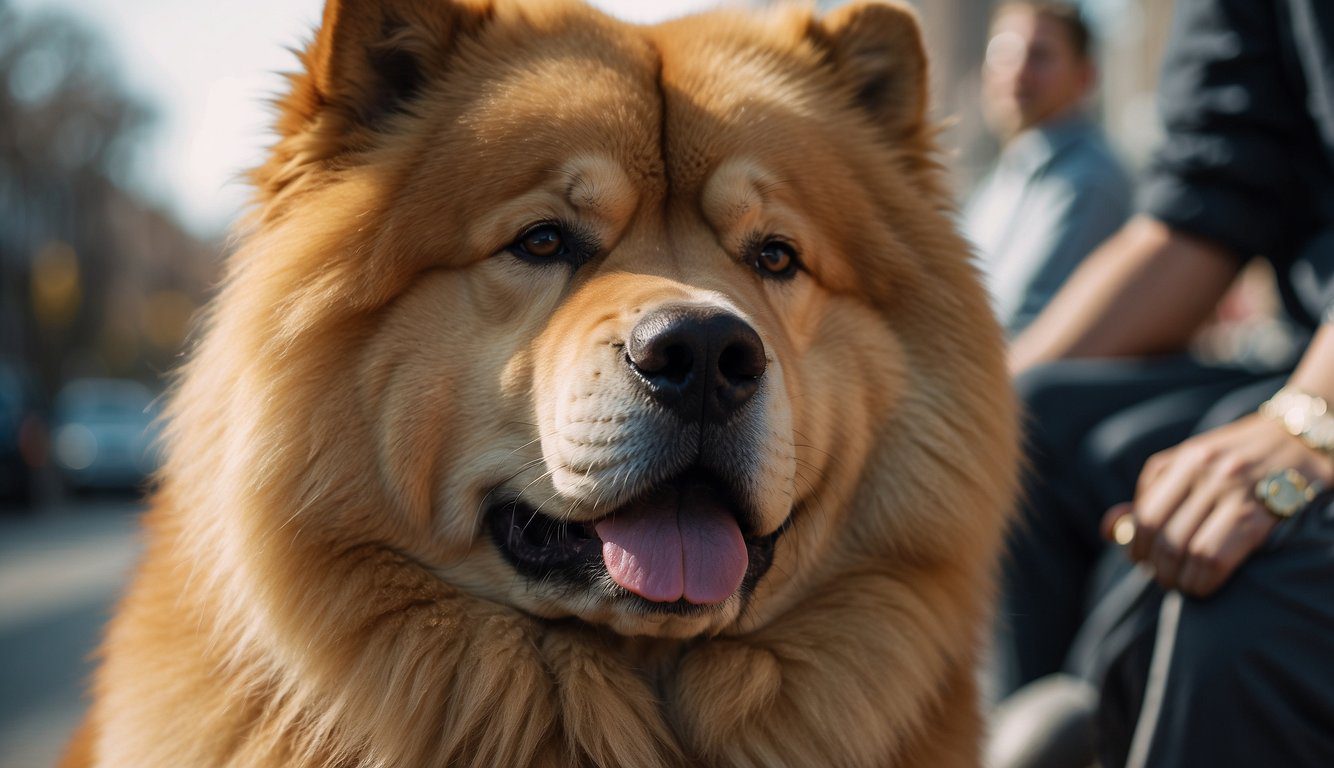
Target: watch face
[
  {"x": 1284, "y": 497},
  {"x": 1284, "y": 493}
]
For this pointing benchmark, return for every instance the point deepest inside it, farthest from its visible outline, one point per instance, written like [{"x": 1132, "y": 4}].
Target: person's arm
[
  {"x": 1315, "y": 373},
  {"x": 1195, "y": 512},
  {"x": 1228, "y": 174},
  {"x": 1146, "y": 291}
]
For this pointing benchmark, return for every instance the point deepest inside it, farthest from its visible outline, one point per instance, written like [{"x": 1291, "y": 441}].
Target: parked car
[
  {"x": 22, "y": 435},
  {"x": 104, "y": 434}
]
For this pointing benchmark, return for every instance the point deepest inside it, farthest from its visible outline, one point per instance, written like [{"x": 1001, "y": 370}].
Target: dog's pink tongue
[{"x": 668, "y": 548}]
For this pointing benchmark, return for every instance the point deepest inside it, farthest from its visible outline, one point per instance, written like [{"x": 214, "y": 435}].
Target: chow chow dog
[{"x": 579, "y": 394}]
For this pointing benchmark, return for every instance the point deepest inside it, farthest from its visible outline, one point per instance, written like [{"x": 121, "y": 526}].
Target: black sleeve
[
  {"x": 1226, "y": 168},
  {"x": 1312, "y": 278}
]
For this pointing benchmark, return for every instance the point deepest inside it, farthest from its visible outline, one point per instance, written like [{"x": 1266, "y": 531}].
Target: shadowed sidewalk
[{"x": 60, "y": 572}]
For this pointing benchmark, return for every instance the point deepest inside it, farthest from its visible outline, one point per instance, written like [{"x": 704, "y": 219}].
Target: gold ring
[
  {"x": 1123, "y": 530},
  {"x": 1286, "y": 492}
]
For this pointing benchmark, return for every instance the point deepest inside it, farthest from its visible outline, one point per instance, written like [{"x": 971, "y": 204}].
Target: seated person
[
  {"x": 1221, "y": 470},
  {"x": 1057, "y": 190}
]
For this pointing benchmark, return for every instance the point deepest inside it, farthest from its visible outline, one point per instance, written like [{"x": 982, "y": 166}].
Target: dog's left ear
[
  {"x": 369, "y": 61},
  {"x": 876, "y": 49},
  {"x": 370, "y": 57}
]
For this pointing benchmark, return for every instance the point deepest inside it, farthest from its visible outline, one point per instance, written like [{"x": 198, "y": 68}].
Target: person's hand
[{"x": 1195, "y": 512}]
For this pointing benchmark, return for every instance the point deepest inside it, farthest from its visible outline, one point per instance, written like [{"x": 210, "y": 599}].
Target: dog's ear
[
  {"x": 876, "y": 49},
  {"x": 368, "y": 61},
  {"x": 370, "y": 57}
]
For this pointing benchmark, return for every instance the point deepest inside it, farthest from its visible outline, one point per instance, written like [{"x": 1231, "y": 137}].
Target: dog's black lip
[{"x": 546, "y": 549}]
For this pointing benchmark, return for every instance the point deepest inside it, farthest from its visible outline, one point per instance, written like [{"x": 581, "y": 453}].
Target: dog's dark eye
[
  {"x": 550, "y": 242},
  {"x": 776, "y": 258},
  {"x": 543, "y": 242}
]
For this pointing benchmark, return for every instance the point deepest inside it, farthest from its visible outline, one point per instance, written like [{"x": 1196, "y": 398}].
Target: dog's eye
[
  {"x": 776, "y": 258},
  {"x": 542, "y": 242}
]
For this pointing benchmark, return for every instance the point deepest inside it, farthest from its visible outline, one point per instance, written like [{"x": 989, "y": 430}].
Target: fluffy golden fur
[{"x": 319, "y": 586}]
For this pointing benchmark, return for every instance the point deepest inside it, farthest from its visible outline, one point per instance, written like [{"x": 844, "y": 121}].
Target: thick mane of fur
[{"x": 284, "y": 615}]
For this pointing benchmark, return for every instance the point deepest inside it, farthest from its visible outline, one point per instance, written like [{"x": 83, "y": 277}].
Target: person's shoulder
[
  {"x": 1091, "y": 162},
  {"x": 1091, "y": 146}
]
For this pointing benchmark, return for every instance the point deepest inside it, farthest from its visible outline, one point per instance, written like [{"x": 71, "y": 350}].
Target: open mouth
[{"x": 682, "y": 546}]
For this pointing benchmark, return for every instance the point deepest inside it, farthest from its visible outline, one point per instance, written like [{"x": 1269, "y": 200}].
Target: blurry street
[{"x": 61, "y": 569}]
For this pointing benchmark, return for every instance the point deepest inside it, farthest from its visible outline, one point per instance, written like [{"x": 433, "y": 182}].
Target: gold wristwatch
[
  {"x": 1286, "y": 492},
  {"x": 1307, "y": 417}
]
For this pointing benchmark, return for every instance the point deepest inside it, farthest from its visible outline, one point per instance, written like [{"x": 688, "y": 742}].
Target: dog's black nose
[{"x": 702, "y": 362}]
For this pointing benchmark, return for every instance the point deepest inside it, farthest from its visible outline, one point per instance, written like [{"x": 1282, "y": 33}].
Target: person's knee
[
  {"x": 1110, "y": 457},
  {"x": 1047, "y": 388},
  {"x": 1052, "y": 395}
]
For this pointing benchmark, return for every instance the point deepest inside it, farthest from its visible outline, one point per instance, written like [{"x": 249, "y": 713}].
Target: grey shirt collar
[{"x": 1035, "y": 147}]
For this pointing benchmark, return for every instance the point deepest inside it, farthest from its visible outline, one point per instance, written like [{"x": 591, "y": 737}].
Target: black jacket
[{"x": 1247, "y": 98}]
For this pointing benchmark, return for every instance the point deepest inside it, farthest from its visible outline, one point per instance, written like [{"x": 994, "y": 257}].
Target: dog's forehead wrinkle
[{"x": 664, "y": 160}]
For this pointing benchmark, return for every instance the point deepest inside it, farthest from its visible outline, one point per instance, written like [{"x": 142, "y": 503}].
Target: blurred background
[{"x": 124, "y": 125}]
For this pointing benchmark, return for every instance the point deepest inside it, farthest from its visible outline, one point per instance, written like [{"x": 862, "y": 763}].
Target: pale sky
[{"x": 208, "y": 67}]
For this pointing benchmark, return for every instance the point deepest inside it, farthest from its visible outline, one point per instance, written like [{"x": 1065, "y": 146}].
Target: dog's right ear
[
  {"x": 368, "y": 61},
  {"x": 876, "y": 49}
]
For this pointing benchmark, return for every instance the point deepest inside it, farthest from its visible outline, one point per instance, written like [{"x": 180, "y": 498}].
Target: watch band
[{"x": 1306, "y": 416}]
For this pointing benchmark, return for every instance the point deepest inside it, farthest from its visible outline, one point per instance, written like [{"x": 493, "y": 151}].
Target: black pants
[
  {"x": 1092, "y": 425},
  {"x": 1241, "y": 678}
]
